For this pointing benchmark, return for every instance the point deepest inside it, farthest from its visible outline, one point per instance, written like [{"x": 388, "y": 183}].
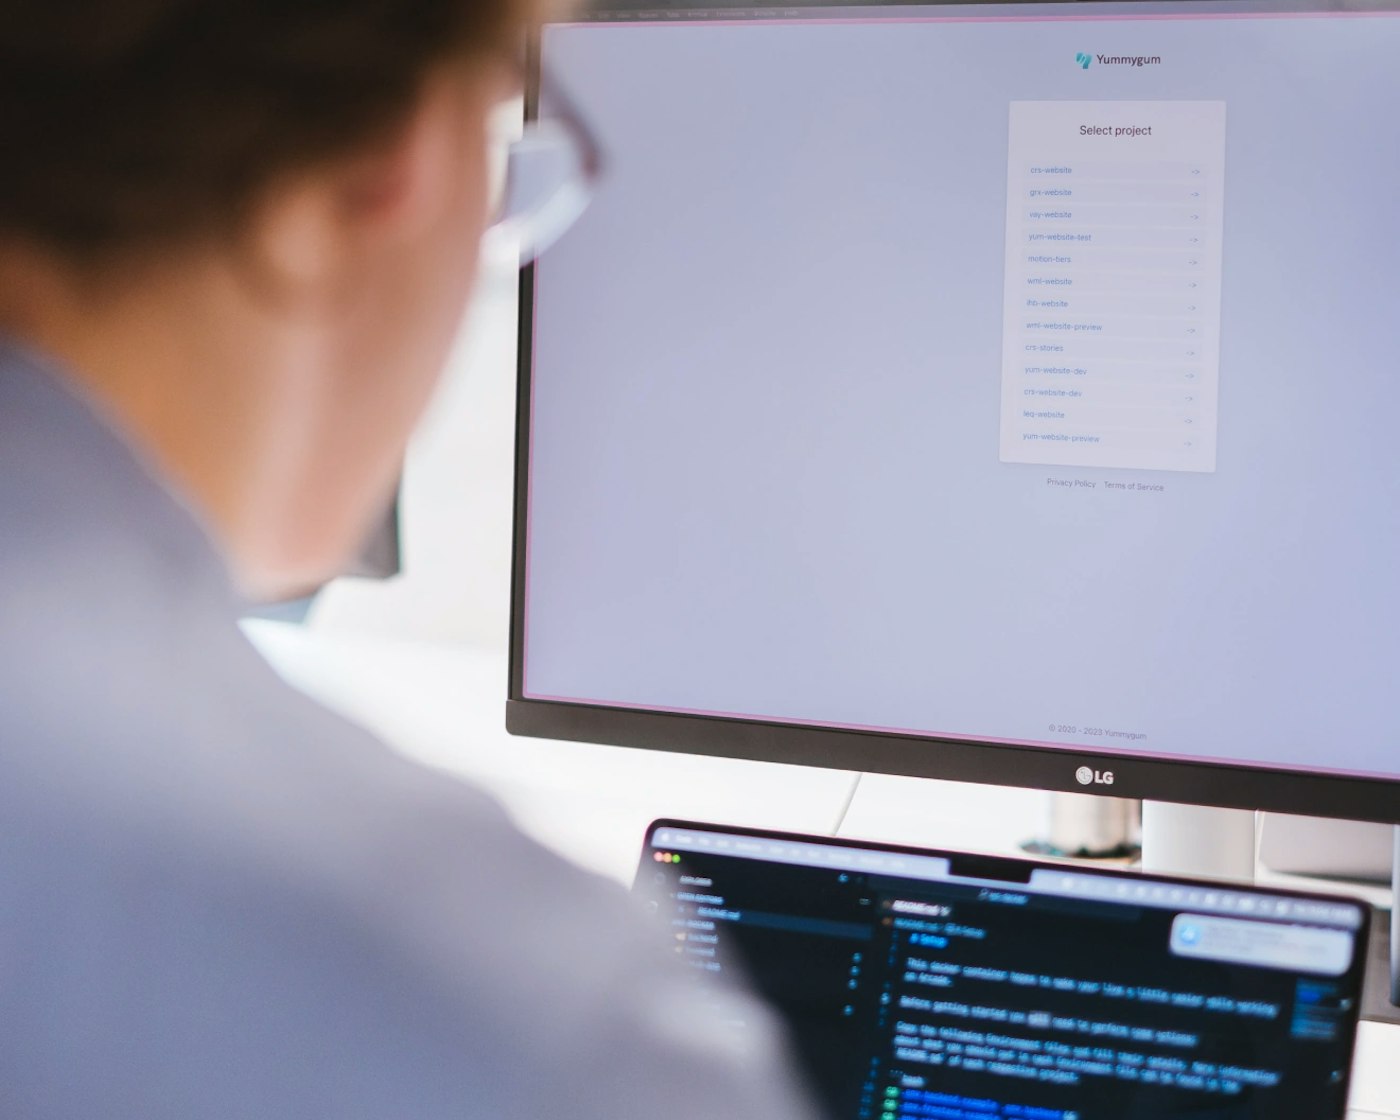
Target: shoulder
[
  {"x": 235, "y": 904},
  {"x": 216, "y": 875},
  {"x": 221, "y": 900}
]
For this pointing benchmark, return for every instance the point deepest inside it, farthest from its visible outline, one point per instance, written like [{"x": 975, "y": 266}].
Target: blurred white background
[{"x": 455, "y": 501}]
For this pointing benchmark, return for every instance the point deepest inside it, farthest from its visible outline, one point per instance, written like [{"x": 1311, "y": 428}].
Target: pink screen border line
[
  {"x": 1121, "y": 17},
  {"x": 908, "y": 733}
]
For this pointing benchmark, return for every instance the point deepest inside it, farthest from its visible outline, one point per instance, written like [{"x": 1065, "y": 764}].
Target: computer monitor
[{"x": 999, "y": 392}]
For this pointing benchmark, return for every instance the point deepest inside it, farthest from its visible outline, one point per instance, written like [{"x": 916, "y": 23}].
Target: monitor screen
[
  {"x": 936, "y": 986},
  {"x": 1009, "y": 374}
]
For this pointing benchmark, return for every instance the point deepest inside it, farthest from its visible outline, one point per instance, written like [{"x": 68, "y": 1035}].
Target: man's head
[{"x": 250, "y": 227}]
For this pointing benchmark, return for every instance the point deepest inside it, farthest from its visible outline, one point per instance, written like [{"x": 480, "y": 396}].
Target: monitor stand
[
  {"x": 1223, "y": 844},
  {"x": 1194, "y": 840}
]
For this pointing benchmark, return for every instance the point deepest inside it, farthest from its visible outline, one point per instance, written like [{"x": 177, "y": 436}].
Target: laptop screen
[{"x": 940, "y": 986}]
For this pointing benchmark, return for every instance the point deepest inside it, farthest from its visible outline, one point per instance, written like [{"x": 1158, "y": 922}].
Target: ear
[
  {"x": 318, "y": 226},
  {"x": 398, "y": 187}
]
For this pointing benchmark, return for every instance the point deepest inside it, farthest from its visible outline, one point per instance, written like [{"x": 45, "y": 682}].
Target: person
[{"x": 236, "y": 239}]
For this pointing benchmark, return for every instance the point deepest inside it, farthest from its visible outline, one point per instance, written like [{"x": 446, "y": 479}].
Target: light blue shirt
[{"x": 219, "y": 900}]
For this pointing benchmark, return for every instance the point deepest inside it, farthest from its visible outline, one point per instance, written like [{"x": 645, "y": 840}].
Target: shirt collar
[{"x": 79, "y": 464}]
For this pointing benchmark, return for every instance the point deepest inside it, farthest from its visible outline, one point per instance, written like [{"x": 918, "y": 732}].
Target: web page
[
  {"x": 1113, "y": 243},
  {"x": 949, "y": 371},
  {"x": 914, "y": 996}
]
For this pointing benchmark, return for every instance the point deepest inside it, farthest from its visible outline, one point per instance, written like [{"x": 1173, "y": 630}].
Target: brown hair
[{"x": 126, "y": 122}]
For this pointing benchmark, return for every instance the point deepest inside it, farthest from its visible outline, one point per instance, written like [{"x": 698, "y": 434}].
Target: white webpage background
[{"x": 766, "y": 393}]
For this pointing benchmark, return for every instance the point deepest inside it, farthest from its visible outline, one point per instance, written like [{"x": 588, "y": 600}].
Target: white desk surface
[{"x": 445, "y": 706}]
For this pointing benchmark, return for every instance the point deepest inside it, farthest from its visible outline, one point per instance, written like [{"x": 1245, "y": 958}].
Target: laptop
[{"x": 935, "y": 985}]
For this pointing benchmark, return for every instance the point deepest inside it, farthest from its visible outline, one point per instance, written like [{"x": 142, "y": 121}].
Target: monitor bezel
[{"x": 1054, "y": 769}]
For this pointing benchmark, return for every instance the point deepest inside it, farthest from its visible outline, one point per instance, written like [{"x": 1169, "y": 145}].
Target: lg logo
[{"x": 1089, "y": 777}]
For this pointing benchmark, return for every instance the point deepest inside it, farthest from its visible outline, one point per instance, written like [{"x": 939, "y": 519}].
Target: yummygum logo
[{"x": 1084, "y": 60}]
